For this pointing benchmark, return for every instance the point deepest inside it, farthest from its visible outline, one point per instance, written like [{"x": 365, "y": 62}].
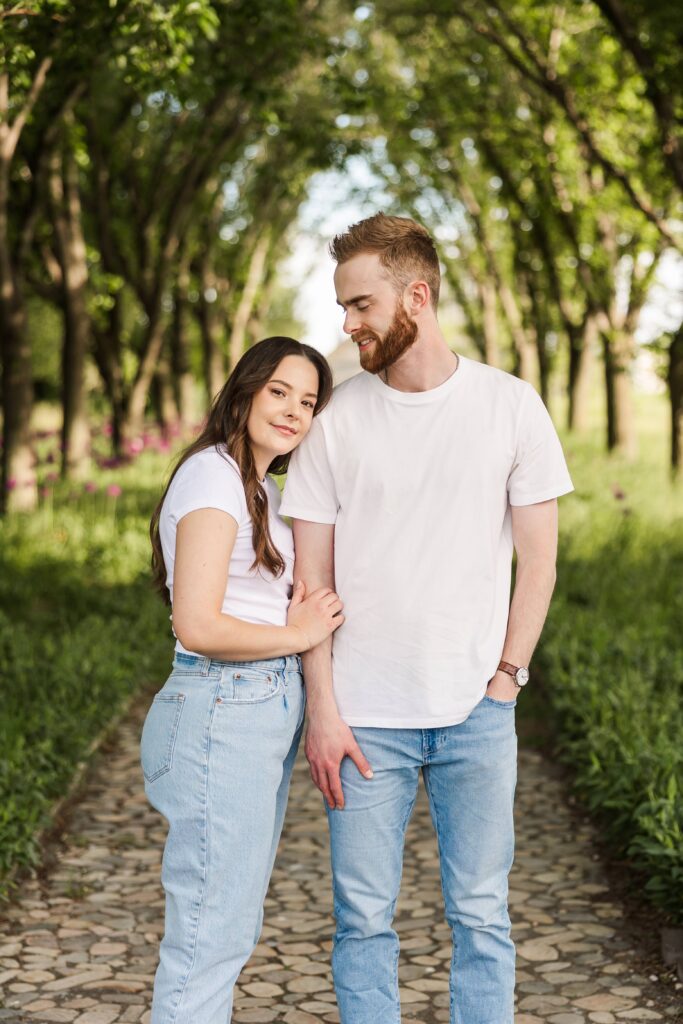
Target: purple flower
[
  {"x": 114, "y": 491},
  {"x": 90, "y": 487},
  {"x": 11, "y": 483}
]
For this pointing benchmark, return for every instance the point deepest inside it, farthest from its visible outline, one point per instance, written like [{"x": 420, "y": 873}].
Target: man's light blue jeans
[
  {"x": 470, "y": 773},
  {"x": 218, "y": 747}
]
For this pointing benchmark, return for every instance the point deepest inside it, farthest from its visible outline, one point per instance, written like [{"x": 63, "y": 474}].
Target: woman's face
[{"x": 282, "y": 411}]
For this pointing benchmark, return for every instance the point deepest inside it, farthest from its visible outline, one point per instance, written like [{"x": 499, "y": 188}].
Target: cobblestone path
[{"x": 81, "y": 945}]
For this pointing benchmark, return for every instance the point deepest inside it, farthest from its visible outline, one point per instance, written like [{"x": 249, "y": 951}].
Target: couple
[{"x": 413, "y": 483}]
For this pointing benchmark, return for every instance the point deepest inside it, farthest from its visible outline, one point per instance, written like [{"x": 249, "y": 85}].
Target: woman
[{"x": 220, "y": 739}]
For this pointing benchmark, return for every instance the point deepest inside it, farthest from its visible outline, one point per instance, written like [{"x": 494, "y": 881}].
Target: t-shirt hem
[
  {"x": 327, "y": 518},
  {"x": 408, "y": 723},
  {"x": 178, "y": 514},
  {"x": 535, "y": 497}
]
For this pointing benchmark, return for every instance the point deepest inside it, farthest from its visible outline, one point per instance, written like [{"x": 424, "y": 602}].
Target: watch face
[{"x": 522, "y": 676}]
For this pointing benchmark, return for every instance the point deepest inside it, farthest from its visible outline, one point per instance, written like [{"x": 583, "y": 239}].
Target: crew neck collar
[{"x": 420, "y": 397}]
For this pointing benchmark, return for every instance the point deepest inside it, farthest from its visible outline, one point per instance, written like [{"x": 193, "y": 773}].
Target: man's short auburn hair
[{"x": 404, "y": 247}]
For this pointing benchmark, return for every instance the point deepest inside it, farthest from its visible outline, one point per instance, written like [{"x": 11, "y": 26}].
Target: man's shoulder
[
  {"x": 495, "y": 379},
  {"x": 344, "y": 394}
]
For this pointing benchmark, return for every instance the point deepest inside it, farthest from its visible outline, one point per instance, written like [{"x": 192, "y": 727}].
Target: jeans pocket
[
  {"x": 250, "y": 686},
  {"x": 159, "y": 734},
  {"x": 500, "y": 703}
]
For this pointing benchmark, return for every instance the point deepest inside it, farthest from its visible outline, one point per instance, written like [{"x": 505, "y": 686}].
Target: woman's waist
[{"x": 202, "y": 665}]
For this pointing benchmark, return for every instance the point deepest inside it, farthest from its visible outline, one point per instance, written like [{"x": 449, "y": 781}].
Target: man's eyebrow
[
  {"x": 354, "y": 300},
  {"x": 275, "y": 380}
]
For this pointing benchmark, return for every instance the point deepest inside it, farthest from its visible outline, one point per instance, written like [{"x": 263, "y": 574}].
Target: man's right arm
[{"x": 328, "y": 738}]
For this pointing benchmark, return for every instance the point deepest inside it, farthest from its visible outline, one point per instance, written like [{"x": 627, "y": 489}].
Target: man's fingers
[
  {"x": 336, "y": 788},
  {"x": 314, "y": 774},
  {"x": 326, "y": 790},
  {"x": 360, "y": 761}
]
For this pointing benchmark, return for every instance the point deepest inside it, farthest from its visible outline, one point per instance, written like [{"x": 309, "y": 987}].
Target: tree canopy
[{"x": 154, "y": 157}]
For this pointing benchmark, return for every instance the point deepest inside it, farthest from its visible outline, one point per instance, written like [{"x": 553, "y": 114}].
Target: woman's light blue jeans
[
  {"x": 218, "y": 747},
  {"x": 470, "y": 773}
]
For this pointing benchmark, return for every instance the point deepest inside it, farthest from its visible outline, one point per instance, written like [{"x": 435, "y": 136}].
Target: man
[{"x": 407, "y": 496}]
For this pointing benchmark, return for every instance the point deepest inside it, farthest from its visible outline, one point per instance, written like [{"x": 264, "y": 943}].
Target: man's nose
[{"x": 351, "y": 322}]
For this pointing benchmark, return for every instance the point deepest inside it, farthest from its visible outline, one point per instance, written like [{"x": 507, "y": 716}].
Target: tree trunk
[
  {"x": 181, "y": 374},
  {"x": 257, "y": 265},
  {"x": 19, "y": 491},
  {"x": 581, "y": 358},
  {"x": 139, "y": 393},
  {"x": 675, "y": 382},
  {"x": 489, "y": 322},
  {"x": 70, "y": 248},
  {"x": 523, "y": 346},
  {"x": 621, "y": 436},
  {"x": 108, "y": 359},
  {"x": 163, "y": 399}
]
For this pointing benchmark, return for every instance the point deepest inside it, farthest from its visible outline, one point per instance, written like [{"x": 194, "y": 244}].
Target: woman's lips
[{"x": 287, "y": 431}]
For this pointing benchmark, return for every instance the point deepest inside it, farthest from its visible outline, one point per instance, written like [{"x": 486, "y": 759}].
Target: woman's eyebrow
[{"x": 275, "y": 380}]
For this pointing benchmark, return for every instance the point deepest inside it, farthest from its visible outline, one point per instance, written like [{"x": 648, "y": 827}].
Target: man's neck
[{"x": 424, "y": 366}]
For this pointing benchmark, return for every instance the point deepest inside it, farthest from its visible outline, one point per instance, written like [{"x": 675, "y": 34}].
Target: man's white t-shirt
[
  {"x": 419, "y": 486},
  {"x": 211, "y": 479}
]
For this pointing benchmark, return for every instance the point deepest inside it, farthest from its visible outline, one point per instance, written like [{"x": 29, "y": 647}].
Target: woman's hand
[{"x": 315, "y": 616}]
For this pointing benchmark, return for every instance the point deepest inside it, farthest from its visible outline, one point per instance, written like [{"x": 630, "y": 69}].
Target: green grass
[
  {"x": 611, "y": 655},
  {"x": 80, "y": 631}
]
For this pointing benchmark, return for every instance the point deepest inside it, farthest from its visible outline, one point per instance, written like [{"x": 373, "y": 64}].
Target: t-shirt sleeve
[
  {"x": 540, "y": 471},
  {"x": 310, "y": 492},
  {"x": 208, "y": 482}
]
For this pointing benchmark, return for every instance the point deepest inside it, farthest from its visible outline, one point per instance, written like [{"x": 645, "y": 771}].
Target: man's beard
[{"x": 400, "y": 335}]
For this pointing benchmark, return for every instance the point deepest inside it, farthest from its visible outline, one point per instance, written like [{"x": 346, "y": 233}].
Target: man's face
[{"x": 374, "y": 314}]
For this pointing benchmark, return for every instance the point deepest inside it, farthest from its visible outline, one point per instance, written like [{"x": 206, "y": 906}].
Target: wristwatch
[{"x": 519, "y": 674}]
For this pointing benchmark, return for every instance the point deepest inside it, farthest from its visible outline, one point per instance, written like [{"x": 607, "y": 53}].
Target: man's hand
[
  {"x": 502, "y": 687},
  {"x": 328, "y": 741}
]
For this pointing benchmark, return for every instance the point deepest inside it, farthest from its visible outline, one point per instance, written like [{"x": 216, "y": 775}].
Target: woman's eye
[{"x": 277, "y": 391}]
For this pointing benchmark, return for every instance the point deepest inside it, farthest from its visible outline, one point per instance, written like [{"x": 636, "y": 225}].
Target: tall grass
[
  {"x": 612, "y": 654},
  {"x": 80, "y": 631}
]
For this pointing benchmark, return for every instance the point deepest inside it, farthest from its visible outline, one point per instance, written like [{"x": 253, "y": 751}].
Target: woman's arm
[{"x": 204, "y": 543}]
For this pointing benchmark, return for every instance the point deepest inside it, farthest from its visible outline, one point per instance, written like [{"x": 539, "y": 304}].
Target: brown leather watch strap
[{"x": 511, "y": 670}]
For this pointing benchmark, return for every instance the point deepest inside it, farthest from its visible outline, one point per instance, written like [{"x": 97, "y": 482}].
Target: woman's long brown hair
[{"x": 227, "y": 425}]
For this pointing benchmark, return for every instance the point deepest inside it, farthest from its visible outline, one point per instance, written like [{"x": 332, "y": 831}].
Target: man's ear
[{"x": 417, "y": 297}]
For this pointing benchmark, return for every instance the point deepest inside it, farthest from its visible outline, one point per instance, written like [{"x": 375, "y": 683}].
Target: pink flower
[
  {"x": 114, "y": 491},
  {"x": 11, "y": 483},
  {"x": 45, "y": 492},
  {"x": 135, "y": 445},
  {"x": 52, "y": 478},
  {"x": 90, "y": 487}
]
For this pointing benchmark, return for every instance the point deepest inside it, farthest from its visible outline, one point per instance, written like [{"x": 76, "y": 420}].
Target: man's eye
[{"x": 361, "y": 309}]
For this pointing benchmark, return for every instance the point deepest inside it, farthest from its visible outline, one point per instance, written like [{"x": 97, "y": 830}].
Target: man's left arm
[{"x": 534, "y": 534}]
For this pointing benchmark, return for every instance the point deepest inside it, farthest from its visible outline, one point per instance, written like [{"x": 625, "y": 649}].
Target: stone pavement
[{"x": 81, "y": 944}]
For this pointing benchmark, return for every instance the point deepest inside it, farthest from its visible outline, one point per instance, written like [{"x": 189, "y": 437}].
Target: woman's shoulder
[
  {"x": 213, "y": 461},
  {"x": 209, "y": 477}
]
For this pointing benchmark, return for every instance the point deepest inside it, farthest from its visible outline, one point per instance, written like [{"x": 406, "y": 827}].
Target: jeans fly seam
[{"x": 203, "y": 850}]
